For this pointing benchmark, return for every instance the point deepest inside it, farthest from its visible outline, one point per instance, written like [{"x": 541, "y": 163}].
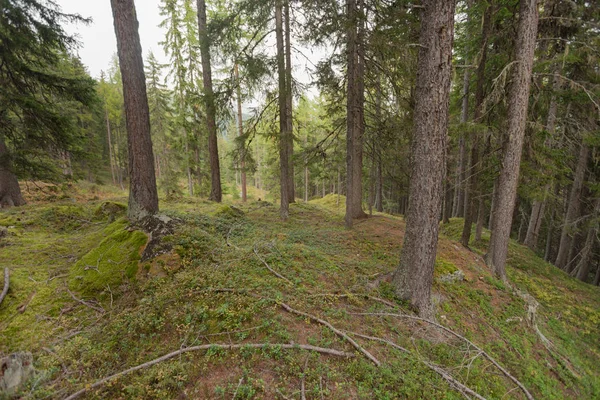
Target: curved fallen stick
[
  {"x": 6, "y": 284},
  {"x": 168, "y": 356}
]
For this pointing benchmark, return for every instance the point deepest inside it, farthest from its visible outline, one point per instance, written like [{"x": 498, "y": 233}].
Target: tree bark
[
  {"x": 143, "y": 197},
  {"x": 284, "y": 210},
  {"x": 414, "y": 276},
  {"x": 289, "y": 104},
  {"x": 597, "y": 277},
  {"x": 518, "y": 97},
  {"x": 211, "y": 110},
  {"x": 10, "y": 191},
  {"x": 568, "y": 228},
  {"x": 354, "y": 111},
  {"x": 243, "y": 179}
]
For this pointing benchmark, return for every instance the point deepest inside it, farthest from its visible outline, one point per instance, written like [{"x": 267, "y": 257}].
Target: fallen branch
[
  {"x": 6, "y": 284},
  {"x": 277, "y": 274},
  {"x": 439, "y": 370},
  {"x": 334, "y": 330},
  {"x": 166, "y": 357},
  {"x": 86, "y": 303},
  {"x": 486, "y": 355}
]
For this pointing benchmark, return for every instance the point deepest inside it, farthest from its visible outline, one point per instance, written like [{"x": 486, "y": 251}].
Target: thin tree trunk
[
  {"x": 289, "y": 103},
  {"x": 110, "y": 149},
  {"x": 518, "y": 97},
  {"x": 283, "y": 126},
  {"x": 143, "y": 197},
  {"x": 211, "y": 110},
  {"x": 480, "y": 219},
  {"x": 585, "y": 263},
  {"x": 597, "y": 277},
  {"x": 243, "y": 179},
  {"x": 379, "y": 194},
  {"x": 568, "y": 228},
  {"x": 473, "y": 181},
  {"x": 413, "y": 279},
  {"x": 462, "y": 164}
]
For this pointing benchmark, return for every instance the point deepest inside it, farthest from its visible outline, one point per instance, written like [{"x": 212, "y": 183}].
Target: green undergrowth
[{"x": 214, "y": 287}]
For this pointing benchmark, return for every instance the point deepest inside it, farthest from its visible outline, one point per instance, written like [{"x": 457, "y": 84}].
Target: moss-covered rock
[
  {"x": 114, "y": 259},
  {"x": 230, "y": 212},
  {"x": 110, "y": 210}
]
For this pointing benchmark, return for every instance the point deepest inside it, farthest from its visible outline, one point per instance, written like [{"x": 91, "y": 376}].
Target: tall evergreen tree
[{"x": 143, "y": 196}]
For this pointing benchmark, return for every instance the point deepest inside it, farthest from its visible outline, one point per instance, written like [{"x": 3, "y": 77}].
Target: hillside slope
[{"x": 86, "y": 309}]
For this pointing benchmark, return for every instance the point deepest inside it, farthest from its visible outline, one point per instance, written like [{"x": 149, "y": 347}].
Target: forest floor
[{"x": 236, "y": 287}]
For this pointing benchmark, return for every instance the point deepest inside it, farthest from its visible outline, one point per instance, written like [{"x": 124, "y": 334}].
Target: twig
[
  {"x": 303, "y": 383},
  {"x": 166, "y": 357},
  {"x": 86, "y": 303},
  {"x": 334, "y": 330},
  {"x": 440, "y": 371},
  {"x": 238, "y": 387},
  {"x": 486, "y": 355},
  {"x": 6, "y": 284},
  {"x": 277, "y": 274}
]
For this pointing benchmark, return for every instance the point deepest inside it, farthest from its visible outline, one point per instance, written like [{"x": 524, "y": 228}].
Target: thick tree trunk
[
  {"x": 243, "y": 180},
  {"x": 354, "y": 111},
  {"x": 289, "y": 104},
  {"x": 471, "y": 208},
  {"x": 209, "y": 100},
  {"x": 413, "y": 278},
  {"x": 10, "y": 191},
  {"x": 518, "y": 97},
  {"x": 568, "y": 228},
  {"x": 143, "y": 197},
  {"x": 283, "y": 126}
]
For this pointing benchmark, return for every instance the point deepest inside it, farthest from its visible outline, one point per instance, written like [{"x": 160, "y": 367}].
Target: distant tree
[
  {"x": 37, "y": 79},
  {"x": 518, "y": 101},
  {"x": 143, "y": 196},
  {"x": 209, "y": 101},
  {"x": 414, "y": 276}
]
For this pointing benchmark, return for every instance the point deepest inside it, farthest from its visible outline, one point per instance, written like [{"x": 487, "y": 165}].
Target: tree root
[
  {"x": 277, "y": 274},
  {"x": 465, "y": 390},
  {"x": 448, "y": 330},
  {"x": 334, "y": 330},
  {"x": 168, "y": 356}
]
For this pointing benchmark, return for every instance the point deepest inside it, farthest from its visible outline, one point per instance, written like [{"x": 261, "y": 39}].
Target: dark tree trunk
[
  {"x": 379, "y": 194},
  {"x": 354, "y": 111},
  {"x": 143, "y": 197},
  {"x": 289, "y": 104},
  {"x": 472, "y": 204},
  {"x": 283, "y": 126},
  {"x": 209, "y": 100},
  {"x": 573, "y": 207},
  {"x": 414, "y": 276},
  {"x": 518, "y": 98},
  {"x": 597, "y": 277},
  {"x": 448, "y": 194},
  {"x": 10, "y": 191}
]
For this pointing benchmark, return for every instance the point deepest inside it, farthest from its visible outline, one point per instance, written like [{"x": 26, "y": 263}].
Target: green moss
[
  {"x": 110, "y": 210},
  {"x": 443, "y": 267},
  {"x": 113, "y": 260},
  {"x": 230, "y": 212}
]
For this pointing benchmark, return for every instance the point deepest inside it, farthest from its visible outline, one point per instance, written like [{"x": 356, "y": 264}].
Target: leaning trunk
[
  {"x": 518, "y": 96},
  {"x": 143, "y": 197},
  {"x": 414, "y": 276},
  {"x": 209, "y": 100}
]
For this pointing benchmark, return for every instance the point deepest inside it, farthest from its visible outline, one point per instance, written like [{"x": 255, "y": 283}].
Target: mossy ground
[{"x": 176, "y": 302}]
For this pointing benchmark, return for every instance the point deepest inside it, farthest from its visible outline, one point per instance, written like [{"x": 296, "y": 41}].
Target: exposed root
[
  {"x": 486, "y": 355},
  {"x": 466, "y": 391},
  {"x": 334, "y": 330},
  {"x": 87, "y": 303},
  {"x": 277, "y": 274},
  {"x": 166, "y": 357}
]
